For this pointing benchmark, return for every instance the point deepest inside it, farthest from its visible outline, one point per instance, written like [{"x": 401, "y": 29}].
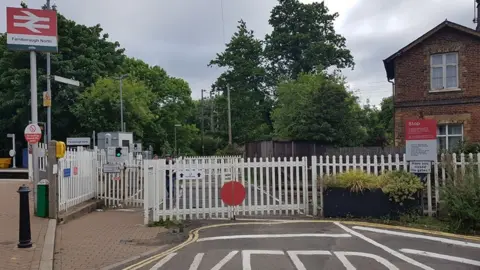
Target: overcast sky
[{"x": 182, "y": 36}]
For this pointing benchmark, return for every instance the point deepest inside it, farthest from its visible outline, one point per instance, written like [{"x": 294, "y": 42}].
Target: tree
[
  {"x": 250, "y": 100},
  {"x": 171, "y": 103},
  {"x": 318, "y": 107},
  {"x": 303, "y": 39},
  {"x": 98, "y": 108}
]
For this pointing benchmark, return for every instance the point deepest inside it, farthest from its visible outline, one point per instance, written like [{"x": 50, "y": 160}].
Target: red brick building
[{"x": 437, "y": 76}]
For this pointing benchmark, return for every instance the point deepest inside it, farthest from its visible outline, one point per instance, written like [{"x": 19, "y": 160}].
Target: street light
[
  {"x": 120, "y": 78},
  {"x": 175, "y": 132}
]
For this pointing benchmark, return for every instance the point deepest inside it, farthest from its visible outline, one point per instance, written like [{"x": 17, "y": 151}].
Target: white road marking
[
  {"x": 163, "y": 261},
  {"x": 440, "y": 256},
  {"x": 246, "y": 254},
  {"x": 225, "y": 260},
  {"x": 387, "y": 249},
  {"x": 196, "y": 261},
  {"x": 419, "y": 236},
  {"x": 293, "y": 254},
  {"x": 257, "y": 236},
  {"x": 341, "y": 255}
]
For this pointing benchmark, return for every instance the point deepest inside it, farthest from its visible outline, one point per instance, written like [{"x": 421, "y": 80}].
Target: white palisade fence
[
  {"x": 80, "y": 184},
  {"x": 272, "y": 187}
]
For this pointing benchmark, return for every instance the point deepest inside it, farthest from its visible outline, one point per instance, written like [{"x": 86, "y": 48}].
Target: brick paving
[
  {"x": 11, "y": 257},
  {"x": 100, "y": 239}
]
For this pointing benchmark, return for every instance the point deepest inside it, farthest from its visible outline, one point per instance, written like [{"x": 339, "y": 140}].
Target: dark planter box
[{"x": 341, "y": 203}]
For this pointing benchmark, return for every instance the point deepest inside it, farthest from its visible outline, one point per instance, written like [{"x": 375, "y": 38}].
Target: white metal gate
[{"x": 273, "y": 187}]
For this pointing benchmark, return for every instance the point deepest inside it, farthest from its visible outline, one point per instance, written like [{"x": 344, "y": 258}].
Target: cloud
[{"x": 183, "y": 36}]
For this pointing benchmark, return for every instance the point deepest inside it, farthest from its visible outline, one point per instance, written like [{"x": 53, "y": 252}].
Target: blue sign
[{"x": 67, "y": 172}]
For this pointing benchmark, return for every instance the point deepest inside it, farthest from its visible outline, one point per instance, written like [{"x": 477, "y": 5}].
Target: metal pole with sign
[
  {"x": 421, "y": 151},
  {"x": 32, "y": 30}
]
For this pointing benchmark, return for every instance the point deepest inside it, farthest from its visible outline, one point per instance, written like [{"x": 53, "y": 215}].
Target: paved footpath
[
  {"x": 101, "y": 239},
  {"x": 309, "y": 246},
  {"x": 11, "y": 257}
]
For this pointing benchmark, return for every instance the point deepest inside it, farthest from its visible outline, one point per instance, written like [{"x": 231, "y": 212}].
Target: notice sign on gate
[
  {"x": 29, "y": 29},
  {"x": 421, "y": 140},
  {"x": 420, "y": 167}
]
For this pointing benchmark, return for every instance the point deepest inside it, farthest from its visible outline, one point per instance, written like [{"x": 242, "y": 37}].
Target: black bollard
[{"x": 24, "y": 234}]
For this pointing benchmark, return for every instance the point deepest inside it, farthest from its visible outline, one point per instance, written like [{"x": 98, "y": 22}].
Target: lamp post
[
  {"x": 120, "y": 78},
  {"x": 175, "y": 134}
]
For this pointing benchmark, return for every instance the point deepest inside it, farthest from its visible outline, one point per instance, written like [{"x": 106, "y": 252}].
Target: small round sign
[
  {"x": 11, "y": 153},
  {"x": 33, "y": 133},
  {"x": 233, "y": 193}
]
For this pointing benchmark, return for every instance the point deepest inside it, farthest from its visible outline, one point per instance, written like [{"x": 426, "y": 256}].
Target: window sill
[{"x": 445, "y": 90}]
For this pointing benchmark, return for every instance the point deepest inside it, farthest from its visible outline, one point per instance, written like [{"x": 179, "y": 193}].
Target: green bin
[{"x": 42, "y": 198}]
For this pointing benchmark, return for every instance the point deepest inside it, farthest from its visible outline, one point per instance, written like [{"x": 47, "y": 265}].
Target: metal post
[
  {"x": 203, "y": 125},
  {"x": 24, "y": 232},
  {"x": 34, "y": 108},
  {"x": 212, "y": 128},
  {"x": 15, "y": 151},
  {"x": 49, "y": 91},
  {"x": 121, "y": 103},
  {"x": 175, "y": 144},
  {"x": 52, "y": 180},
  {"x": 229, "y": 117}
]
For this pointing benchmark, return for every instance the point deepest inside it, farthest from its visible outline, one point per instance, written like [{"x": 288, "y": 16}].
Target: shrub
[
  {"x": 400, "y": 185},
  {"x": 355, "y": 180},
  {"x": 461, "y": 200}
]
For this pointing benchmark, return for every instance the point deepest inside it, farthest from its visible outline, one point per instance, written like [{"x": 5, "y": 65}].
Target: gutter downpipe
[{"x": 393, "y": 104}]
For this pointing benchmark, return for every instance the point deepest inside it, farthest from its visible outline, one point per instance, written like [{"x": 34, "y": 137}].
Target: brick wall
[
  {"x": 412, "y": 82},
  {"x": 412, "y": 69},
  {"x": 468, "y": 115}
]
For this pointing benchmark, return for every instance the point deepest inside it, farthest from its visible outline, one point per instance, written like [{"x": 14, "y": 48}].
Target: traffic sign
[
  {"x": 33, "y": 133},
  {"x": 191, "y": 174},
  {"x": 233, "y": 193},
  {"x": 27, "y": 28}
]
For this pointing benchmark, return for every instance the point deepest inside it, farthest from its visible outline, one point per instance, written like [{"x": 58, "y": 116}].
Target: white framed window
[
  {"x": 444, "y": 71},
  {"x": 449, "y": 136}
]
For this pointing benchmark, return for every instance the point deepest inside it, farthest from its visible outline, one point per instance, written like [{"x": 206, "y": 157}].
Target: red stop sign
[{"x": 233, "y": 193}]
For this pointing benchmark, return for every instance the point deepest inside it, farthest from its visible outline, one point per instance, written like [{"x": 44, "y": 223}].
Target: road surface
[{"x": 310, "y": 245}]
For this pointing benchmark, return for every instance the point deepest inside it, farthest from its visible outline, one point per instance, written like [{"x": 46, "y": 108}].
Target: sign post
[
  {"x": 421, "y": 150},
  {"x": 32, "y": 30}
]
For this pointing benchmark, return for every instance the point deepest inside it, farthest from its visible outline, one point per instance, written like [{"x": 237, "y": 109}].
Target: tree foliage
[
  {"x": 318, "y": 107},
  {"x": 245, "y": 75},
  {"x": 304, "y": 39}
]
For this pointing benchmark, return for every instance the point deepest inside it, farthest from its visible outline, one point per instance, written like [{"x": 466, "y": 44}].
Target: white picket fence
[
  {"x": 77, "y": 178},
  {"x": 272, "y": 187},
  {"x": 42, "y": 160},
  {"x": 377, "y": 164}
]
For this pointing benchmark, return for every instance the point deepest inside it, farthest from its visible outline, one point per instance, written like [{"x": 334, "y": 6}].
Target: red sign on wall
[{"x": 421, "y": 129}]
